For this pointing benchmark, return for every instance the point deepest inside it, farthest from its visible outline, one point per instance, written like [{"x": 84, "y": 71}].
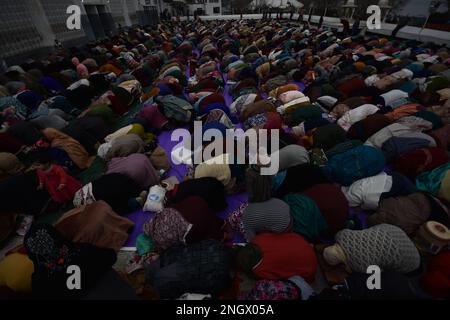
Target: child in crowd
[{"x": 60, "y": 185}]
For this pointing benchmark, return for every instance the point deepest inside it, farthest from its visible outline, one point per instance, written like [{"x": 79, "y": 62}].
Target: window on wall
[
  {"x": 214, "y": 1},
  {"x": 216, "y": 10}
]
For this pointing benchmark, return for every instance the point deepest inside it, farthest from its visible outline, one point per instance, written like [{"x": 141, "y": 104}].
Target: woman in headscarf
[
  {"x": 365, "y": 128},
  {"x": 384, "y": 245},
  {"x": 9, "y": 165},
  {"x": 290, "y": 156},
  {"x": 355, "y": 115},
  {"x": 82, "y": 70},
  {"x": 50, "y": 84},
  {"x": 395, "y": 147},
  {"x": 367, "y": 193},
  {"x": 333, "y": 207},
  {"x": 30, "y": 81},
  {"x": 294, "y": 288},
  {"x": 118, "y": 190},
  {"x": 436, "y": 181},
  {"x": 354, "y": 164},
  {"x": 410, "y": 212},
  {"x": 95, "y": 126},
  {"x": 269, "y": 216},
  {"x": 186, "y": 222},
  {"x": 405, "y": 125},
  {"x": 19, "y": 193},
  {"x": 306, "y": 217},
  {"x": 167, "y": 228},
  {"x": 205, "y": 224},
  {"x": 26, "y": 132},
  {"x": 138, "y": 167},
  {"x": 73, "y": 148},
  {"x": 12, "y": 110},
  {"x": 135, "y": 128},
  {"x": 89, "y": 143},
  {"x": 436, "y": 279},
  {"x": 210, "y": 189},
  {"x": 121, "y": 147},
  {"x": 153, "y": 117},
  {"x": 417, "y": 161},
  {"x": 297, "y": 179},
  {"x": 96, "y": 224},
  {"x": 9, "y": 143},
  {"x": 110, "y": 67},
  {"x": 220, "y": 171},
  {"x": 278, "y": 256},
  {"x": 30, "y": 99}
]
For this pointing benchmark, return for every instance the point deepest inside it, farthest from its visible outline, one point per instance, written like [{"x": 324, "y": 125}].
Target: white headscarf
[{"x": 103, "y": 149}]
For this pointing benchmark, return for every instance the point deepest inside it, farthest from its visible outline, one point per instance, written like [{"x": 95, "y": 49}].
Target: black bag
[
  {"x": 52, "y": 255},
  {"x": 202, "y": 267}
]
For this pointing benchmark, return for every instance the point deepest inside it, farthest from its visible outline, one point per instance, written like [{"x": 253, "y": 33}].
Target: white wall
[
  {"x": 408, "y": 32},
  {"x": 411, "y": 33},
  {"x": 208, "y": 8}
]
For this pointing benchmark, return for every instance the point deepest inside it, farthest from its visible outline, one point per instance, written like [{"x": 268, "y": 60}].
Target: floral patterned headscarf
[{"x": 167, "y": 228}]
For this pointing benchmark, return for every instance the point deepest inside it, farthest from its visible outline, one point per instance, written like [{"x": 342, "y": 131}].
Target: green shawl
[{"x": 307, "y": 219}]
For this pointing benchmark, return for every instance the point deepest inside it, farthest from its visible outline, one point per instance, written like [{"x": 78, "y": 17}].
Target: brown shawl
[
  {"x": 74, "y": 149},
  {"x": 407, "y": 212},
  {"x": 96, "y": 224}
]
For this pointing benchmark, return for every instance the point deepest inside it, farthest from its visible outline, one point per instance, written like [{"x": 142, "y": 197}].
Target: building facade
[
  {"x": 30, "y": 27},
  {"x": 205, "y": 7}
]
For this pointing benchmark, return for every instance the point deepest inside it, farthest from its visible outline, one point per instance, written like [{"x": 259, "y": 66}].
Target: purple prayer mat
[
  {"x": 179, "y": 171},
  {"x": 139, "y": 217},
  {"x": 234, "y": 201}
]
